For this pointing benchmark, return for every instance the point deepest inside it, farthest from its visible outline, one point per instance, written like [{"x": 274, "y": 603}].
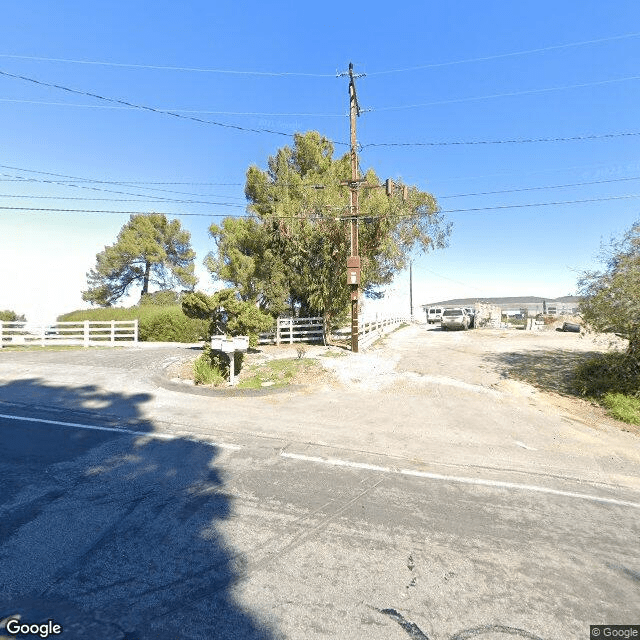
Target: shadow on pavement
[
  {"x": 549, "y": 370},
  {"x": 110, "y": 535}
]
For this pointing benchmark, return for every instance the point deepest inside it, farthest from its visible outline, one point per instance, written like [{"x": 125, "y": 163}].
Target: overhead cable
[
  {"x": 506, "y": 55},
  {"x": 543, "y": 188},
  {"x": 151, "y": 197},
  {"x": 454, "y": 143},
  {"x": 161, "y": 200},
  {"x": 200, "y": 111},
  {"x": 317, "y": 75},
  {"x": 298, "y": 217},
  {"x": 504, "y": 95},
  {"x": 74, "y": 179},
  {"x": 128, "y": 65},
  {"x": 142, "y": 107}
]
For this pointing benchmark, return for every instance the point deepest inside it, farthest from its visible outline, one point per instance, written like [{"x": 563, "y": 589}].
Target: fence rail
[
  {"x": 88, "y": 333},
  {"x": 370, "y": 329},
  {"x": 290, "y": 330}
]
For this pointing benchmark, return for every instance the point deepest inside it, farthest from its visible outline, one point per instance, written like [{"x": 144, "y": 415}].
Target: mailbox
[
  {"x": 229, "y": 345},
  {"x": 241, "y": 343},
  {"x": 216, "y": 342}
]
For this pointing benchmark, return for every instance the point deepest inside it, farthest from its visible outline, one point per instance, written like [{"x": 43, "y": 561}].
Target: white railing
[
  {"x": 290, "y": 330},
  {"x": 106, "y": 333},
  {"x": 370, "y": 329}
]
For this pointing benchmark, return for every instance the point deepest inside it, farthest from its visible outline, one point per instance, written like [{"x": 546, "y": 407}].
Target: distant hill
[{"x": 502, "y": 302}]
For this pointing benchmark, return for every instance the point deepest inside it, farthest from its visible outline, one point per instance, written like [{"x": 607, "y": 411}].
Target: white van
[{"x": 434, "y": 314}]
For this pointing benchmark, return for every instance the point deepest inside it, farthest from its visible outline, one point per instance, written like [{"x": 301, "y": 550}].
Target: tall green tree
[
  {"x": 293, "y": 251},
  {"x": 611, "y": 297},
  {"x": 246, "y": 258},
  {"x": 149, "y": 250}
]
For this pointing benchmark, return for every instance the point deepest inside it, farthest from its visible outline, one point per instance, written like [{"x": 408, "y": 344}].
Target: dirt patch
[
  {"x": 306, "y": 369},
  {"x": 535, "y": 366}
]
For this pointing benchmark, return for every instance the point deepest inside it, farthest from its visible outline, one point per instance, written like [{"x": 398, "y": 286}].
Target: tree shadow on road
[
  {"x": 549, "y": 370},
  {"x": 112, "y": 534}
]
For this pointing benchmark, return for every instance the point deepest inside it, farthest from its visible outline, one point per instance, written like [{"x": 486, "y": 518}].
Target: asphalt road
[{"x": 129, "y": 510}]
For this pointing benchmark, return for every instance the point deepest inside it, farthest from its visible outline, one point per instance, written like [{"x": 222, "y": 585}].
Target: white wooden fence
[
  {"x": 290, "y": 330},
  {"x": 370, "y": 329},
  {"x": 107, "y": 333}
]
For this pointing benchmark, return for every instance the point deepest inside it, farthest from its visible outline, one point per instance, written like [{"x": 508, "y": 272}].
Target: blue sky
[{"x": 435, "y": 72}]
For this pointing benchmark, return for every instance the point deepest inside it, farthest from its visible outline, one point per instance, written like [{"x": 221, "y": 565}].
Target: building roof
[{"x": 512, "y": 301}]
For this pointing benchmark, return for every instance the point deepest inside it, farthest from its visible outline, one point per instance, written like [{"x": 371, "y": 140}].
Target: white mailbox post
[{"x": 230, "y": 346}]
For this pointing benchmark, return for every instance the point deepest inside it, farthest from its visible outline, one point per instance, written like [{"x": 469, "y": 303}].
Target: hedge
[{"x": 155, "y": 323}]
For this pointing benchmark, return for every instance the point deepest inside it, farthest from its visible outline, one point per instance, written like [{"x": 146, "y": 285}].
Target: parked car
[
  {"x": 455, "y": 319},
  {"x": 434, "y": 314}
]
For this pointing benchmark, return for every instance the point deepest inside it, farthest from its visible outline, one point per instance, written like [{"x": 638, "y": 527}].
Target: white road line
[
  {"x": 473, "y": 481},
  {"x": 125, "y": 432}
]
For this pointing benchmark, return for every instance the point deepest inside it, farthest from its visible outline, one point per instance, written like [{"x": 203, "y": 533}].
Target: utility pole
[
  {"x": 353, "y": 262},
  {"x": 411, "y": 289}
]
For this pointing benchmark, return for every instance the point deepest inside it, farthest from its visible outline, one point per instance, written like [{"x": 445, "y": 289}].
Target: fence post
[
  {"x": 113, "y": 332},
  {"x": 42, "y": 336},
  {"x": 1, "y": 336},
  {"x": 278, "y": 330},
  {"x": 135, "y": 331},
  {"x": 86, "y": 333}
]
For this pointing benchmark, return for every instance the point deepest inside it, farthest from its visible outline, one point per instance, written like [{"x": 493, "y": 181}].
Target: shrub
[
  {"x": 623, "y": 407},
  {"x": 608, "y": 373},
  {"x": 212, "y": 367},
  {"x": 11, "y": 316},
  {"x": 156, "y": 323},
  {"x": 204, "y": 372},
  {"x": 169, "y": 324}
]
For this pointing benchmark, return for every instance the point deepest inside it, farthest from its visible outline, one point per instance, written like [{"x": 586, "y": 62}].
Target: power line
[
  {"x": 200, "y": 111},
  {"x": 170, "y": 68},
  {"x": 298, "y": 217},
  {"x": 74, "y": 179},
  {"x": 141, "y": 182},
  {"x": 311, "y": 74},
  {"x": 504, "y": 95},
  {"x": 554, "y": 186},
  {"x": 144, "y": 213},
  {"x": 108, "y": 182},
  {"x": 183, "y": 201},
  {"x": 161, "y": 200},
  {"x": 176, "y": 114},
  {"x": 452, "y": 143},
  {"x": 74, "y": 185},
  {"x": 541, "y": 204},
  {"x": 142, "y": 107},
  {"x": 506, "y": 55},
  {"x": 124, "y": 193}
]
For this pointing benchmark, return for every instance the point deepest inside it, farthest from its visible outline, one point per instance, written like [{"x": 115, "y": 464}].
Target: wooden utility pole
[
  {"x": 353, "y": 262},
  {"x": 411, "y": 290}
]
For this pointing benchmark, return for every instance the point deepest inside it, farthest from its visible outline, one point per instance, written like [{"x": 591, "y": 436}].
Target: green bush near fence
[{"x": 155, "y": 323}]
